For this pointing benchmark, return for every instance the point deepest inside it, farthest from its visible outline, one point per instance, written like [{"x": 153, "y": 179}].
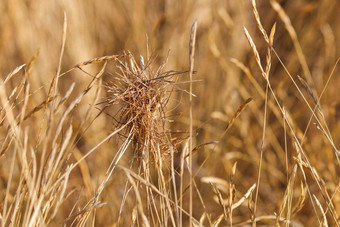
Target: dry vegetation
[{"x": 127, "y": 113}]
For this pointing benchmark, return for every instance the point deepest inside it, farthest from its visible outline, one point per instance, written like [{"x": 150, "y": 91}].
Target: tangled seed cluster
[{"x": 142, "y": 95}]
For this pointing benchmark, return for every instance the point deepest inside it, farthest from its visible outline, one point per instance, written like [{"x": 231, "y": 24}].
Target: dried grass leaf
[
  {"x": 256, "y": 53},
  {"x": 15, "y": 71},
  {"x": 238, "y": 112}
]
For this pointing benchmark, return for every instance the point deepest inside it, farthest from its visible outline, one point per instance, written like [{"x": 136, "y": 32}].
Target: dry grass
[{"x": 130, "y": 113}]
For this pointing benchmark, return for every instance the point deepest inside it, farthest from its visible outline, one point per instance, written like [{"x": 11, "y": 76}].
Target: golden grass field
[{"x": 169, "y": 113}]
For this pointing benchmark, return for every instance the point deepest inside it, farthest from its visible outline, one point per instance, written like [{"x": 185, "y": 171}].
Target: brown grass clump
[{"x": 142, "y": 95}]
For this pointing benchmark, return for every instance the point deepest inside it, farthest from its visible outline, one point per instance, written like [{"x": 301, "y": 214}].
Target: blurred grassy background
[{"x": 98, "y": 28}]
